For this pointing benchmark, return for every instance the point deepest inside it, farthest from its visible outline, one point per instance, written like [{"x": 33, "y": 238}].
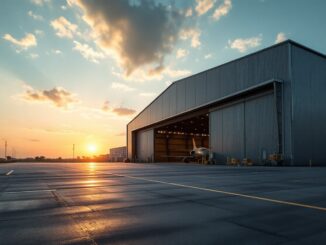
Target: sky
[{"x": 77, "y": 71}]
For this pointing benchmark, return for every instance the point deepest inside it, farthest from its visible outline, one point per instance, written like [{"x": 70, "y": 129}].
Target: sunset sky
[{"x": 77, "y": 71}]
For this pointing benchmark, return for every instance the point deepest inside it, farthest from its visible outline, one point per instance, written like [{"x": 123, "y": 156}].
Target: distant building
[
  {"x": 103, "y": 157},
  {"x": 118, "y": 154}
]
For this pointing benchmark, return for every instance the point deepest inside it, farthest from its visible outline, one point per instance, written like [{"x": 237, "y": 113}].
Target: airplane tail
[{"x": 194, "y": 143}]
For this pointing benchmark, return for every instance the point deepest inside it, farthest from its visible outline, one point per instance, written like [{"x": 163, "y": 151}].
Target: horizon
[{"x": 70, "y": 77}]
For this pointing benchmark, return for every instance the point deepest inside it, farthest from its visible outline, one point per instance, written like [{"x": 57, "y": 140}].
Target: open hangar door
[
  {"x": 144, "y": 146},
  {"x": 173, "y": 142},
  {"x": 245, "y": 129}
]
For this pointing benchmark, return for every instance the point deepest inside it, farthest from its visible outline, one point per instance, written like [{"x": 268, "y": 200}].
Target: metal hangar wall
[{"x": 257, "y": 105}]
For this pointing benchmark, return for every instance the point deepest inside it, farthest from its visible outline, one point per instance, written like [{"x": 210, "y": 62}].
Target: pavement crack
[
  {"x": 257, "y": 229},
  {"x": 76, "y": 218}
]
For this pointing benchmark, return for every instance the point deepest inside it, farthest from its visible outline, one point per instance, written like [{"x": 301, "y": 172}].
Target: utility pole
[
  {"x": 73, "y": 151},
  {"x": 6, "y": 148}
]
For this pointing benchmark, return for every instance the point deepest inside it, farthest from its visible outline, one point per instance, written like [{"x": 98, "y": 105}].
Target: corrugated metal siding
[
  {"x": 166, "y": 96},
  {"x": 233, "y": 128},
  {"x": 173, "y": 99},
  {"x": 181, "y": 96},
  {"x": 153, "y": 112},
  {"x": 145, "y": 145},
  {"x": 214, "y": 91},
  {"x": 190, "y": 93},
  {"x": 309, "y": 122},
  {"x": 129, "y": 142},
  {"x": 200, "y": 88},
  {"x": 216, "y": 135},
  {"x": 244, "y": 130},
  {"x": 261, "y": 130},
  {"x": 227, "y": 132},
  {"x": 159, "y": 111}
]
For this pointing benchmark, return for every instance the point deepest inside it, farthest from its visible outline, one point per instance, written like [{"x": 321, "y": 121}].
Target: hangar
[{"x": 268, "y": 103}]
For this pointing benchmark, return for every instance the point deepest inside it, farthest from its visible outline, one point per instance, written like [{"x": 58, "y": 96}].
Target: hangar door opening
[
  {"x": 173, "y": 142},
  {"x": 247, "y": 129}
]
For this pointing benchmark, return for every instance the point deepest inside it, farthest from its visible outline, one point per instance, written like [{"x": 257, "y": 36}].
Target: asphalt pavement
[{"x": 128, "y": 203}]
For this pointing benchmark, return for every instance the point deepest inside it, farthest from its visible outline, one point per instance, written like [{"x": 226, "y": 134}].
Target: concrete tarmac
[{"x": 120, "y": 203}]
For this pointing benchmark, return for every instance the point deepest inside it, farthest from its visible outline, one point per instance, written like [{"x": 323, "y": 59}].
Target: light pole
[
  {"x": 73, "y": 151},
  {"x": 6, "y": 145}
]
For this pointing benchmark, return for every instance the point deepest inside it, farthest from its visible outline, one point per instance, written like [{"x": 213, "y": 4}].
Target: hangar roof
[{"x": 240, "y": 58}]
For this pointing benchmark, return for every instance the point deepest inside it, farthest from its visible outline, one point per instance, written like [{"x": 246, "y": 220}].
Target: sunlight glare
[
  {"x": 91, "y": 166},
  {"x": 91, "y": 148}
]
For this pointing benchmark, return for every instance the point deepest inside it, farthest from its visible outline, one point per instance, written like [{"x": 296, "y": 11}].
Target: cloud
[
  {"x": 120, "y": 111},
  {"x": 208, "y": 56},
  {"x": 121, "y": 134},
  {"x": 126, "y": 88},
  {"x": 142, "y": 75},
  {"x": 193, "y": 34},
  {"x": 168, "y": 83},
  {"x": 148, "y": 94},
  {"x": 242, "y": 45},
  {"x": 156, "y": 71},
  {"x": 35, "y": 16},
  {"x": 56, "y": 51},
  {"x": 40, "y": 2},
  {"x": 64, "y": 28},
  {"x": 39, "y": 32},
  {"x": 188, "y": 12},
  {"x": 203, "y": 6},
  {"x": 58, "y": 96},
  {"x": 87, "y": 52},
  {"x": 123, "y": 111},
  {"x": 33, "y": 140},
  {"x": 168, "y": 71},
  {"x": 181, "y": 53},
  {"x": 135, "y": 33},
  {"x": 26, "y": 42},
  {"x": 176, "y": 73},
  {"x": 106, "y": 106},
  {"x": 222, "y": 10},
  {"x": 122, "y": 86},
  {"x": 280, "y": 37},
  {"x": 34, "y": 55}
]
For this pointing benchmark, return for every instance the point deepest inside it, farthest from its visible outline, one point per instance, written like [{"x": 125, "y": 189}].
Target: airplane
[
  {"x": 201, "y": 153},
  {"x": 197, "y": 153}
]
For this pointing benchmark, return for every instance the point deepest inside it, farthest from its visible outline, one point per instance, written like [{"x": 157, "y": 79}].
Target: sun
[{"x": 91, "y": 148}]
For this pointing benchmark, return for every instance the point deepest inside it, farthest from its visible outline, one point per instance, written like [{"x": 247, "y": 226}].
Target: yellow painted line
[
  {"x": 10, "y": 172},
  {"x": 228, "y": 193}
]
